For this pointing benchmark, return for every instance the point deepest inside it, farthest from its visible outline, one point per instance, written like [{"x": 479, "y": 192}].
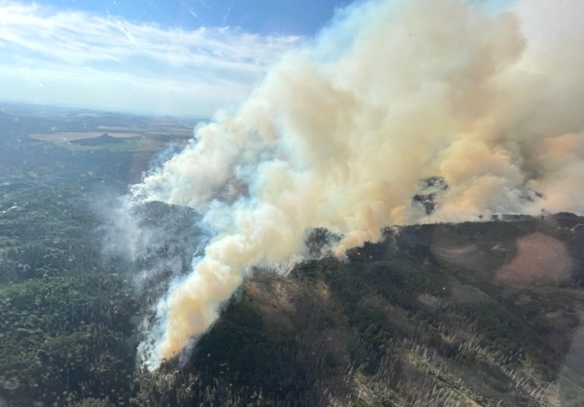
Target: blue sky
[
  {"x": 178, "y": 57},
  {"x": 300, "y": 17}
]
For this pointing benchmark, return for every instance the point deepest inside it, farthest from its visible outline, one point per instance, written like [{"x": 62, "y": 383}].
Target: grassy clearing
[{"x": 126, "y": 145}]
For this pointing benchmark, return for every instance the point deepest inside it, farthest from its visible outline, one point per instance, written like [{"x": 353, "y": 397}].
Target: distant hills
[{"x": 23, "y": 120}]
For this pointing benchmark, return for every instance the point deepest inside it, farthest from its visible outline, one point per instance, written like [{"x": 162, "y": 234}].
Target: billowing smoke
[{"x": 341, "y": 132}]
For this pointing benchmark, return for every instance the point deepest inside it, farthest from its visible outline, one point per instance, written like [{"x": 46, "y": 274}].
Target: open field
[
  {"x": 78, "y": 135},
  {"x": 133, "y": 144},
  {"x": 153, "y": 130}
]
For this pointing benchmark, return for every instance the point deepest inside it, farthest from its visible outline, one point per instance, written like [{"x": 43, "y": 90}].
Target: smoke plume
[{"x": 341, "y": 132}]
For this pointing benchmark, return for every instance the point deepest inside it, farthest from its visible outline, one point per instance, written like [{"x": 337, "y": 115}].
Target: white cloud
[{"x": 81, "y": 56}]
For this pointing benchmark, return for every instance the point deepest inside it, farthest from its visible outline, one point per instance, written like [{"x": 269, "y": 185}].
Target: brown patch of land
[{"x": 539, "y": 258}]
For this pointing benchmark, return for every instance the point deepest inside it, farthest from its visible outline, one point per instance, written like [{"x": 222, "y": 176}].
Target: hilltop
[
  {"x": 95, "y": 141},
  {"x": 435, "y": 315}
]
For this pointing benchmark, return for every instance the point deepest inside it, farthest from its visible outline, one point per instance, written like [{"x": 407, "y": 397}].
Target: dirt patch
[{"x": 539, "y": 258}]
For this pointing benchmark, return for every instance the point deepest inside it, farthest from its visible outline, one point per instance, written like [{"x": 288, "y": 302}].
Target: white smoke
[{"x": 341, "y": 132}]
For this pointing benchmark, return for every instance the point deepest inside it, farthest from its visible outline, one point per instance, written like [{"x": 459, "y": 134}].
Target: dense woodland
[{"x": 423, "y": 318}]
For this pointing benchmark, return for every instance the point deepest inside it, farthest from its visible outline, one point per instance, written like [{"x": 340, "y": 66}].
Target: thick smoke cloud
[{"x": 341, "y": 132}]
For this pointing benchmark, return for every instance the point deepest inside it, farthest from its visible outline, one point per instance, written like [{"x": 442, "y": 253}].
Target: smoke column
[{"x": 341, "y": 132}]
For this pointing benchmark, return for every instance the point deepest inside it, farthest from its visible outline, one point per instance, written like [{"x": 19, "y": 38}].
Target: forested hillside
[
  {"x": 433, "y": 315},
  {"x": 471, "y": 314}
]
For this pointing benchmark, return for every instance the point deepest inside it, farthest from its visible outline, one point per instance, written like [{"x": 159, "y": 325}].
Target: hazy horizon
[{"x": 170, "y": 58}]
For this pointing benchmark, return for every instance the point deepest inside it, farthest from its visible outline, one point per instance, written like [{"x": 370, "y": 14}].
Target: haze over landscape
[{"x": 341, "y": 133}]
